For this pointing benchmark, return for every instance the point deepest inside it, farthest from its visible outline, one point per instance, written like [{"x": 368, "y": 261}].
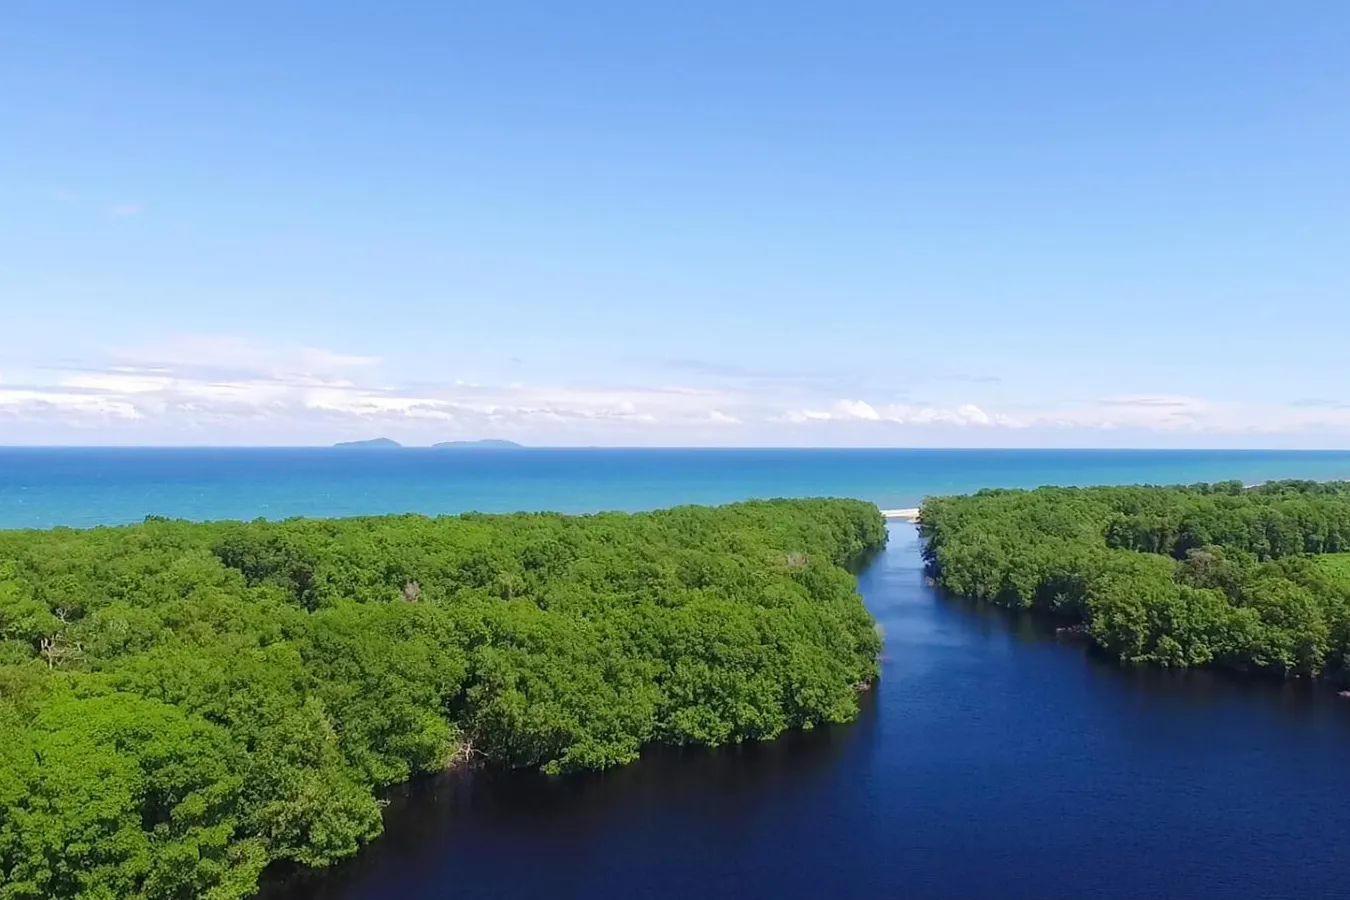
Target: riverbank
[{"x": 1204, "y": 575}]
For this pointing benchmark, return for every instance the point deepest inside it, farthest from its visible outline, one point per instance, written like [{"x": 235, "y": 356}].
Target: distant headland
[
  {"x": 383, "y": 443},
  {"x": 372, "y": 444},
  {"x": 477, "y": 445}
]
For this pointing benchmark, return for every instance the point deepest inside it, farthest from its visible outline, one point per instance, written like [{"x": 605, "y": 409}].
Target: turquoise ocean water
[{"x": 43, "y": 487}]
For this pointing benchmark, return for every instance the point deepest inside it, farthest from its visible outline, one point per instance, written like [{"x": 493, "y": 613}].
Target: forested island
[
  {"x": 484, "y": 444},
  {"x": 183, "y": 704},
  {"x": 1254, "y": 579},
  {"x": 372, "y": 444}
]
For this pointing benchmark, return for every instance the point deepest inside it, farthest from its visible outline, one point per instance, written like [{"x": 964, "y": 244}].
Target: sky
[{"x": 974, "y": 223}]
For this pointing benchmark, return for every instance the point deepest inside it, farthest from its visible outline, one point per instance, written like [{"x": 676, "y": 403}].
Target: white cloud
[
  {"x": 79, "y": 409},
  {"x": 223, "y": 383},
  {"x": 971, "y": 413},
  {"x": 117, "y": 382},
  {"x": 198, "y": 353},
  {"x": 857, "y": 409},
  {"x": 1176, "y": 415},
  {"x": 900, "y": 414},
  {"x": 210, "y": 388}
]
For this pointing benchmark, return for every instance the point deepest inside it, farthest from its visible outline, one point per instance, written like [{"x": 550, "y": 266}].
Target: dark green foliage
[
  {"x": 182, "y": 704},
  {"x": 1175, "y": 576}
]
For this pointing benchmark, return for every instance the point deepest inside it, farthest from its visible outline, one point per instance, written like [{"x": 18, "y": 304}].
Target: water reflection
[{"x": 487, "y": 809}]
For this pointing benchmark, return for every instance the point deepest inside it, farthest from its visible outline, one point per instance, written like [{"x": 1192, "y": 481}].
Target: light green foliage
[
  {"x": 1175, "y": 576},
  {"x": 116, "y": 795},
  {"x": 1336, "y": 565},
  {"x": 182, "y": 704}
]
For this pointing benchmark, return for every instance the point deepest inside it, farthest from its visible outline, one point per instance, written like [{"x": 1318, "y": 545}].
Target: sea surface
[
  {"x": 95, "y": 486},
  {"x": 992, "y": 759}
]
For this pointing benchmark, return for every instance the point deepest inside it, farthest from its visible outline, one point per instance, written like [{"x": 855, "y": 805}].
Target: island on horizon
[
  {"x": 384, "y": 443},
  {"x": 485, "y": 444},
  {"x": 381, "y": 443}
]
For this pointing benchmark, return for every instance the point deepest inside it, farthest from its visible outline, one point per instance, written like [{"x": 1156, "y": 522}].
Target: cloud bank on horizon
[{"x": 228, "y": 391}]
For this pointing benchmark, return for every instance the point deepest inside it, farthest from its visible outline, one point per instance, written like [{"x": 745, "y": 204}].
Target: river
[{"x": 993, "y": 759}]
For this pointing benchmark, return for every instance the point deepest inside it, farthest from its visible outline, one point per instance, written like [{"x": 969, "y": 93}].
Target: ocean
[{"x": 44, "y": 487}]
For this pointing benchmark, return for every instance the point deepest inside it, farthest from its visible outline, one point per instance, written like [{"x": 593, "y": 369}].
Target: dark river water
[{"x": 992, "y": 760}]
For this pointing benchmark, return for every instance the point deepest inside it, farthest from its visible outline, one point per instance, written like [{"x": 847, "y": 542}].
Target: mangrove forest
[
  {"x": 184, "y": 704},
  {"x": 1255, "y": 579}
]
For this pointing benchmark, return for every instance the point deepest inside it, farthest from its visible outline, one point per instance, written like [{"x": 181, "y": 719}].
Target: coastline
[{"x": 908, "y": 514}]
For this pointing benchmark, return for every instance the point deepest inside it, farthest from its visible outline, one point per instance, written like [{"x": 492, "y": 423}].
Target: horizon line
[{"x": 348, "y": 445}]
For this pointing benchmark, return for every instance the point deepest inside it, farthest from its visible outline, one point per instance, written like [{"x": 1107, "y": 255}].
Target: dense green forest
[
  {"x": 182, "y": 704},
  {"x": 1246, "y": 578}
]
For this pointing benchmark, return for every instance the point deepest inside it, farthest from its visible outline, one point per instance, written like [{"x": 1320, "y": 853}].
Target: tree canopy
[
  {"x": 182, "y": 704},
  {"x": 1210, "y": 574}
]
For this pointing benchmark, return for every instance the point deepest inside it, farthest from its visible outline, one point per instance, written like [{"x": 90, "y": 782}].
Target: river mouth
[{"x": 993, "y": 758}]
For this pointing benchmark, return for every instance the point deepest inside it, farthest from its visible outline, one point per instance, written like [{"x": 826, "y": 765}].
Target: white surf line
[{"x": 909, "y": 515}]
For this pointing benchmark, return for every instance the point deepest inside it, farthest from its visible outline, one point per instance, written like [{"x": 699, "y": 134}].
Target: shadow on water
[
  {"x": 1167, "y": 688},
  {"x": 484, "y": 809}
]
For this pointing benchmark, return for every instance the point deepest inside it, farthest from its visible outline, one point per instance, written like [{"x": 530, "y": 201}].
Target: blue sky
[{"x": 957, "y": 224}]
